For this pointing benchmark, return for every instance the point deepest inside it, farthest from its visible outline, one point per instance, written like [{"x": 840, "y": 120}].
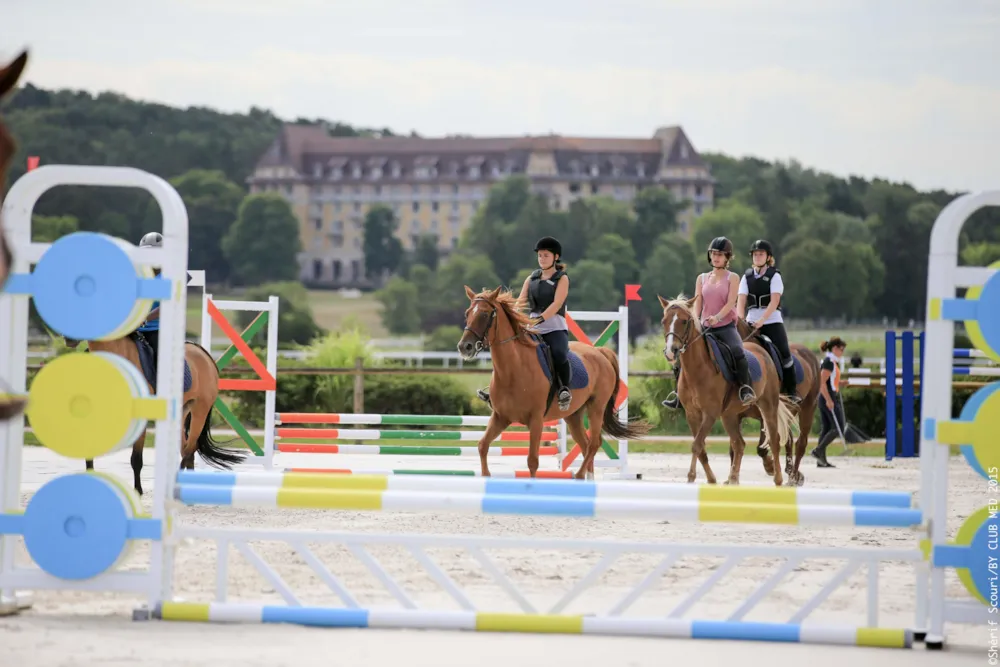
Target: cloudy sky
[{"x": 903, "y": 89}]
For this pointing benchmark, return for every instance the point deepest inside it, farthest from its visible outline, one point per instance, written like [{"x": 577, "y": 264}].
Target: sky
[{"x": 907, "y": 90}]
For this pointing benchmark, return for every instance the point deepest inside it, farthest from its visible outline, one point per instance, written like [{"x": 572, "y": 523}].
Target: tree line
[{"x": 847, "y": 247}]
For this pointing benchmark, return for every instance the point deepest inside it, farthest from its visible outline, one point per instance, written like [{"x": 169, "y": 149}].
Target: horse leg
[
  {"x": 795, "y": 476},
  {"x": 136, "y": 461},
  {"x": 595, "y": 413},
  {"x": 494, "y": 428},
  {"x": 700, "y": 429},
  {"x": 764, "y": 453},
  {"x": 193, "y": 424},
  {"x": 535, "y": 426},
  {"x": 736, "y": 446},
  {"x": 769, "y": 414},
  {"x": 574, "y": 424}
]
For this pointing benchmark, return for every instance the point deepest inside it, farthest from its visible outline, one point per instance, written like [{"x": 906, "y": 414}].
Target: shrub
[{"x": 443, "y": 339}]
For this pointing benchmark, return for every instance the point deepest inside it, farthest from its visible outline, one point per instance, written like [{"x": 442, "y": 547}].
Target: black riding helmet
[
  {"x": 151, "y": 240},
  {"x": 761, "y": 244},
  {"x": 722, "y": 244},
  {"x": 549, "y": 243}
]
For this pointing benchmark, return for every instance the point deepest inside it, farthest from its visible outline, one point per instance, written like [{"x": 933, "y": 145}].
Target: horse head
[
  {"x": 680, "y": 326},
  {"x": 9, "y": 76}
]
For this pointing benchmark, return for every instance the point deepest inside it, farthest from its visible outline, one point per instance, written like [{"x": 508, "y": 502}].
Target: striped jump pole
[
  {"x": 502, "y": 474},
  {"x": 387, "y": 420}
]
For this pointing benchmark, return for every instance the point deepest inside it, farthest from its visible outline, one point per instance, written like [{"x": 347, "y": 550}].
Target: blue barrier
[{"x": 902, "y": 437}]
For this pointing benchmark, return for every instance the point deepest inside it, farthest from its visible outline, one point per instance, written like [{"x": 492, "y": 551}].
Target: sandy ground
[{"x": 73, "y": 628}]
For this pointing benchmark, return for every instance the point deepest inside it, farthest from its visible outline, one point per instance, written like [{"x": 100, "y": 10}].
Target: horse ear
[
  {"x": 690, "y": 302},
  {"x": 495, "y": 293},
  {"x": 663, "y": 302},
  {"x": 11, "y": 73},
  {"x": 469, "y": 293}
]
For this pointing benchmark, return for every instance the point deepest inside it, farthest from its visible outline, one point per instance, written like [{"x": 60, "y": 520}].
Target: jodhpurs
[
  {"x": 731, "y": 337},
  {"x": 828, "y": 432},
  {"x": 776, "y": 332},
  {"x": 558, "y": 342}
]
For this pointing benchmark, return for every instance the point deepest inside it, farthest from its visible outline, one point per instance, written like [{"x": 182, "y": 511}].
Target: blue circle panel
[
  {"x": 84, "y": 286},
  {"x": 969, "y": 411},
  {"x": 988, "y": 311},
  {"x": 983, "y": 545},
  {"x": 75, "y": 527}
]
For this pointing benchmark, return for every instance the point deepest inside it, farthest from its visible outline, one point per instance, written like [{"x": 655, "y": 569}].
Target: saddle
[
  {"x": 578, "y": 376},
  {"x": 725, "y": 360},
  {"x": 148, "y": 361},
  {"x": 772, "y": 349}
]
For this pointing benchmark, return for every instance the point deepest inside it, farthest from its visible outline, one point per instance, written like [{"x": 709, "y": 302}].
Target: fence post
[
  {"x": 906, "y": 410},
  {"x": 890, "y": 394},
  {"x": 359, "y": 385}
]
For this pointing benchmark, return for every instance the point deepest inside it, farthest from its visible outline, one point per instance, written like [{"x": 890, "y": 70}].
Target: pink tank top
[{"x": 714, "y": 298}]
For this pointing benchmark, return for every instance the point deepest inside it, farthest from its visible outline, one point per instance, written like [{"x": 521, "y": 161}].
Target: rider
[
  {"x": 150, "y": 329},
  {"x": 545, "y": 292},
  {"x": 715, "y": 304},
  {"x": 761, "y": 287}
]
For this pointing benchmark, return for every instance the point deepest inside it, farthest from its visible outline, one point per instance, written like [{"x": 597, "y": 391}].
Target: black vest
[
  {"x": 542, "y": 293},
  {"x": 759, "y": 288}
]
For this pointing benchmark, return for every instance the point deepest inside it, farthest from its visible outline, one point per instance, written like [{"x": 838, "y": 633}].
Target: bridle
[
  {"x": 683, "y": 338},
  {"x": 482, "y": 338}
]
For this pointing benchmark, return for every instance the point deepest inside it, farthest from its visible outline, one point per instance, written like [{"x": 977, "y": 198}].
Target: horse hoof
[
  {"x": 732, "y": 482},
  {"x": 768, "y": 467},
  {"x": 788, "y": 468}
]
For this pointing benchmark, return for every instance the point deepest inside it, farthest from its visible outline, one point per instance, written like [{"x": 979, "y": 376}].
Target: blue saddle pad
[
  {"x": 752, "y": 364},
  {"x": 578, "y": 372},
  {"x": 148, "y": 364},
  {"x": 776, "y": 358}
]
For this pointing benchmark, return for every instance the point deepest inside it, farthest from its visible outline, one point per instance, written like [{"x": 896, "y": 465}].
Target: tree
[
  {"x": 448, "y": 300},
  {"x": 399, "y": 299},
  {"x": 49, "y": 228},
  {"x": 616, "y": 252},
  {"x": 592, "y": 287},
  {"x": 383, "y": 250},
  {"x": 212, "y": 203},
  {"x": 295, "y": 318},
  {"x": 263, "y": 243},
  {"x": 981, "y": 254},
  {"x": 688, "y": 260},
  {"x": 664, "y": 274},
  {"x": 740, "y": 223},
  {"x": 655, "y": 214},
  {"x": 426, "y": 252}
]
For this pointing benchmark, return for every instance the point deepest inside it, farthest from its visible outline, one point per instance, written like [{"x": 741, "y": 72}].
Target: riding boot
[
  {"x": 788, "y": 383},
  {"x": 564, "y": 395},
  {"x": 484, "y": 395},
  {"x": 820, "y": 453},
  {"x": 747, "y": 395},
  {"x": 673, "y": 401}
]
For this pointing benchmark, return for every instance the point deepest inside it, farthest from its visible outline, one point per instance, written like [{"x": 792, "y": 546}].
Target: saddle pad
[
  {"x": 578, "y": 372},
  {"x": 752, "y": 364},
  {"x": 776, "y": 358},
  {"x": 149, "y": 365}
]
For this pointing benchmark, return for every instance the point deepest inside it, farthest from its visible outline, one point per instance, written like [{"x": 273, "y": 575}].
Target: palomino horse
[
  {"x": 521, "y": 392},
  {"x": 808, "y": 392},
  {"x": 196, "y": 434},
  {"x": 10, "y": 406},
  {"x": 707, "y": 395}
]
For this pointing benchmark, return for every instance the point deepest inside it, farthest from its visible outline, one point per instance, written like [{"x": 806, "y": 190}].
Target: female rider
[
  {"x": 762, "y": 287},
  {"x": 831, "y": 409},
  {"x": 715, "y": 305},
  {"x": 545, "y": 292}
]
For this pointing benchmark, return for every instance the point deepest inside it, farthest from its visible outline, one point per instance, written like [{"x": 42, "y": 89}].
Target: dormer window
[
  {"x": 318, "y": 170},
  {"x": 336, "y": 166},
  {"x": 355, "y": 170},
  {"x": 640, "y": 170},
  {"x": 494, "y": 169},
  {"x": 595, "y": 170},
  {"x": 395, "y": 169},
  {"x": 684, "y": 151},
  {"x": 574, "y": 167}
]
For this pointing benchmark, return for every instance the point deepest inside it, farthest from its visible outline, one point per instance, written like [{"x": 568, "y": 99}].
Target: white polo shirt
[{"x": 777, "y": 287}]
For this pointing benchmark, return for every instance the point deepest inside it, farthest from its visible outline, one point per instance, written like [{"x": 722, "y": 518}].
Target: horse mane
[{"x": 519, "y": 320}]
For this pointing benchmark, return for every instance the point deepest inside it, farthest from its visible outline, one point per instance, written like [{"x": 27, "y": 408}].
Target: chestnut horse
[
  {"x": 808, "y": 392},
  {"x": 520, "y": 391},
  {"x": 706, "y": 395},
  {"x": 10, "y": 405},
  {"x": 196, "y": 434}
]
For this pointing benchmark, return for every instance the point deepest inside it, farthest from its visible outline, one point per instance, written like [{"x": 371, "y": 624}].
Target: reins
[{"x": 482, "y": 339}]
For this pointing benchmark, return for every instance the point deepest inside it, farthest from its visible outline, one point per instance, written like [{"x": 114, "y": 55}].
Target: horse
[
  {"x": 808, "y": 392},
  {"x": 10, "y": 405},
  {"x": 522, "y": 386},
  {"x": 198, "y": 403},
  {"x": 706, "y": 394}
]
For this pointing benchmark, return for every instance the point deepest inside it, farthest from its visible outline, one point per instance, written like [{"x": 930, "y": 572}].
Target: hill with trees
[{"x": 849, "y": 248}]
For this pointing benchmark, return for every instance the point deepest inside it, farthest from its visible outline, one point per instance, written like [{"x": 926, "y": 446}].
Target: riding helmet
[
  {"x": 151, "y": 240},
  {"x": 761, "y": 244},
  {"x": 722, "y": 244},
  {"x": 549, "y": 243}
]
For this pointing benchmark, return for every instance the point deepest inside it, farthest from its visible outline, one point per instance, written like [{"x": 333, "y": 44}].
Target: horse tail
[
  {"x": 212, "y": 452},
  {"x": 787, "y": 420},
  {"x": 612, "y": 426}
]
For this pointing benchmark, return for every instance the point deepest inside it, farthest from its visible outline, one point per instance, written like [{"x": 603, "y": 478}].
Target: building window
[
  {"x": 337, "y": 269},
  {"x": 595, "y": 170},
  {"x": 356, "y": 170},
  {"x": 454, "y": 242},
  {"x": 454, "y": 224},
  {"x": 684, "y": 151},
  {"x": 317, "y": 269},
  {"x": 640, "y": 170},
  {"x": 338, "y": 226},
  {"x": 697, "y": 191},
  {"x": 338, "y": 241},
  {"x": 378, "y": 189},
  {"x": 416, "y": 207},
  {"x": 474, "y": 172},
  {"x": 434, "y": 225},
  {"x": 355, "y": 269},
  {"x": 376, "y": 173},
  {"x": 396, "y": 170},
  {"x": 454, "y": 189},
  {"x": 415, "y": 225},
  {"x": 357, "y": 207},
  {"x": 318, "y": 223},
  {"x": 574, "y": 188},
  {"x": 415, "y": 189},
  {"x": 336, "y": 173},
  {"x": 434, "y": 206},
  {"x": 454, "y": 207},
  {"x": 593, "y": 188}
]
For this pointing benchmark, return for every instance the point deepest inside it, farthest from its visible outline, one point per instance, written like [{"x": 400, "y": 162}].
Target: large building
[{"x": 436, "y": 185}]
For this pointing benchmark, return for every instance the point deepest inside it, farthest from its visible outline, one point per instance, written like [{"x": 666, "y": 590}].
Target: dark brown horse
[
  {"x": 808, "y": 392},
  {"x": 520, "y": 392},
  {"x": 10, "y": 405},
  {"x": 707, "y": 396},
  {"x": 196, "y": 409}
]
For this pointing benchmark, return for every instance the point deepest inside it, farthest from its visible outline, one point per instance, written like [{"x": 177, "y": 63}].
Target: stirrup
[
  {"x": 672, "y": 400},
  {"x": 751, "y": 396},
  {"x": 484, "y": 395},
  {"x": 565, "y": 399}
]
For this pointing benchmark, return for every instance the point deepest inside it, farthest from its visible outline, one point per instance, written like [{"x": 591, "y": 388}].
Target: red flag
[
  {"x": 632, "y": 293},
  {"x": 33, "y": 161}
]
